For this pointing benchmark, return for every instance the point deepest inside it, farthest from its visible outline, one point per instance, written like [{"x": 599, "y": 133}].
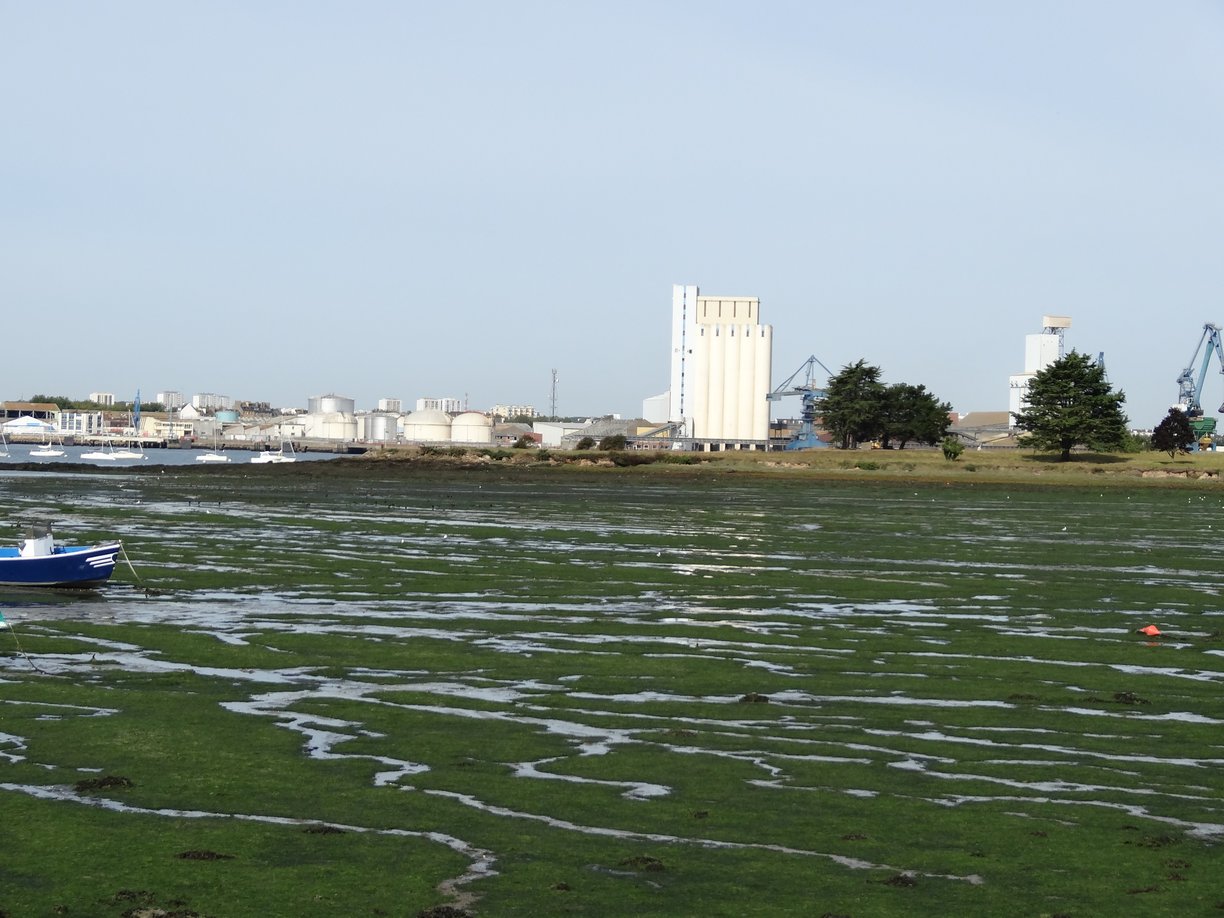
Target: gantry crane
[
  {"x": 811, "y": 393},
  {"x": 1190, "y": 384}
]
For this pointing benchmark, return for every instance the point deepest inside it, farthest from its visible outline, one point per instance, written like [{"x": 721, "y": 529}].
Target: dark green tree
[
  {"x": 1070, "y": 403},
  {"x": 852, "y": 409},
  {"x": 913, "y": 413},
  {"x": 585, "y": 443},
  {"x": 1174, "y": 434},
  {"x": 613, "y": 442}
]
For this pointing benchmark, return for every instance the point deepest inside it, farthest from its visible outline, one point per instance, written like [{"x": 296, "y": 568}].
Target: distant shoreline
[{"x": 1002, "y": 467}]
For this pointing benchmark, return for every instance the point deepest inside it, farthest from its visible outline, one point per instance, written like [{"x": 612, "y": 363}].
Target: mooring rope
[
  {"x": 7, "y": 625},
  {"x": 128, "y": 561}
]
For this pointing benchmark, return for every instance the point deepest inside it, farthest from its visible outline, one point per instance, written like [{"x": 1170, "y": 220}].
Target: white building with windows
[
  {"x": 513, "y": 411},
  {"x": 449, "y": 405},
  {"x": 210, "y": 401},
  {"x": 1039, "y": 352}
]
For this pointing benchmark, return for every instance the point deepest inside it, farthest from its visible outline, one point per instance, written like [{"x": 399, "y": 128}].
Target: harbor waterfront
[
  {"x": 390, "y": 690},
  {"x": 172, "y": 456}
]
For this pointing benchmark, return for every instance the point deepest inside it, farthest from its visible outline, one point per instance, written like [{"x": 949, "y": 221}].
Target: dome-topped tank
[
  {"x": 472, "y": 427},
  {"x": 327, "y": 404},
  {"x": 428, "y": 425}
]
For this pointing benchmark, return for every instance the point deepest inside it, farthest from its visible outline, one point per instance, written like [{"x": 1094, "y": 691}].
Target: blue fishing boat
[{"x": 40, "y": 561}]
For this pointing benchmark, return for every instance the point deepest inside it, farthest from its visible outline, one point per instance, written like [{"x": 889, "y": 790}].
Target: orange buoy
[{"x": 1150, "y": 631}]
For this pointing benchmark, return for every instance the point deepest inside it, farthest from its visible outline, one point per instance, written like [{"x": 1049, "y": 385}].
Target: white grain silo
[
  {"x": 721, "y": 365},
  {"x": 429, "y": 425},
  {"x": 472, "y": 427}
]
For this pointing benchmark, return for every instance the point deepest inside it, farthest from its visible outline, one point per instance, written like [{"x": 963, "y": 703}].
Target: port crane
[
  {"x": 1190, "y": 382},
  {"x": 802, "y": 383}
]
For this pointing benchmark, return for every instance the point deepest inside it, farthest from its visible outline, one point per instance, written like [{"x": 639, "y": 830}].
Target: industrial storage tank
[
  {"x": 333, "y": 425},
  {"x": 327, "y": 404},
  {"x": 429, "y": 425},
  {"x": 472, "y": 427},
  {"x": 380, "y": 427}
]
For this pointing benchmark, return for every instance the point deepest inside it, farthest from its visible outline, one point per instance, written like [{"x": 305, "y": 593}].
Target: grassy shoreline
[{"x": 977, "y": 466}]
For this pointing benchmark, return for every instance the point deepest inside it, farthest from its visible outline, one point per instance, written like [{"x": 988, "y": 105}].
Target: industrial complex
[{"x": 719, "y": 398}]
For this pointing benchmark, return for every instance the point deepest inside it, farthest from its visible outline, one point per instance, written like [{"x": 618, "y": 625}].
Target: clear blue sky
[{"x": 273, "y": 200}]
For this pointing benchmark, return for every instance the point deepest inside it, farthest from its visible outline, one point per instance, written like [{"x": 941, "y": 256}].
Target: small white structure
[
  {"x": 428, "y": 425},
  {"x": 1039, "y": 352},
  {"x": 27, "y": 424},
  {"x": 656, "y": 408},
  {"x": 472, "y": 427},
  {"x": 553, "y": 433}
]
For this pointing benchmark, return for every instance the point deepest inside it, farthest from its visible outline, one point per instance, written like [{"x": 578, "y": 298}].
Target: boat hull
[{"x": 71, "y": 566}]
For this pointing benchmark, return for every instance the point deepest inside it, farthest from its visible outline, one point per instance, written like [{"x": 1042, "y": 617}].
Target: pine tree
[
  {"x": 852, "y": 409},
  {"x": 913, "y": 413},
  {"x": 1070, "y": 403}
]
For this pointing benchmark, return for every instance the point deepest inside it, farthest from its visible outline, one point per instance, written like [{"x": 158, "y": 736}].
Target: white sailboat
[
  {"x": 105, "y": 454},
  {"x": 276, "y": 455},
  {"x": 48, "y": 449},
  {"x": 128, "y": 452},
  {"x": 134, "y": 448},
  {"x": 215, "y": 455}
]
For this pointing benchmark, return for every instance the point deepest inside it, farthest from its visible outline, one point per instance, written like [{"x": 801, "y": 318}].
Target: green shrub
[{"x": 613, "y": 441}]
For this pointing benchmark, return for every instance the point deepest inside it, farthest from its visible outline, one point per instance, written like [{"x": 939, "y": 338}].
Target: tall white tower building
[
  {"x": 721, "y": 363},
  {"x": 1039, "y": 352}
]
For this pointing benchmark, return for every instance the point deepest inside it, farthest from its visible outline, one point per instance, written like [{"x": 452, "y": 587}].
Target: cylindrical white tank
[
  {"x": 763, "y": 370},
  {"x": 327, "y": 404},
  {"x": 698, "y": 382},
  {"x": 746, "y": 381},
  {"x": 713, "y": 384},
  {"x": 731, "y": 381},
  {"x": 429, "y": 425},
  {"x": 334, "y": 425},
  {"x": 380, "y": 427},
  {"x": 472, "y": 427}
]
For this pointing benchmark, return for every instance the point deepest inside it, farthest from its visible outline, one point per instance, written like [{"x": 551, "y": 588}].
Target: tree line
[
  {"x": 857, "y": 407},
  {"x": 68, "y": 404},
  {"x": 1068, "y": 404}
]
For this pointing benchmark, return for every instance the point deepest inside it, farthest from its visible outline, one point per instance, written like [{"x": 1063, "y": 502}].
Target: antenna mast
[{"x": 552, "y": 409}]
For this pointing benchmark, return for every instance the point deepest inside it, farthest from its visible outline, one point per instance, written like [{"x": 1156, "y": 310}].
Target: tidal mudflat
[{"x": 390, "y": 693}]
